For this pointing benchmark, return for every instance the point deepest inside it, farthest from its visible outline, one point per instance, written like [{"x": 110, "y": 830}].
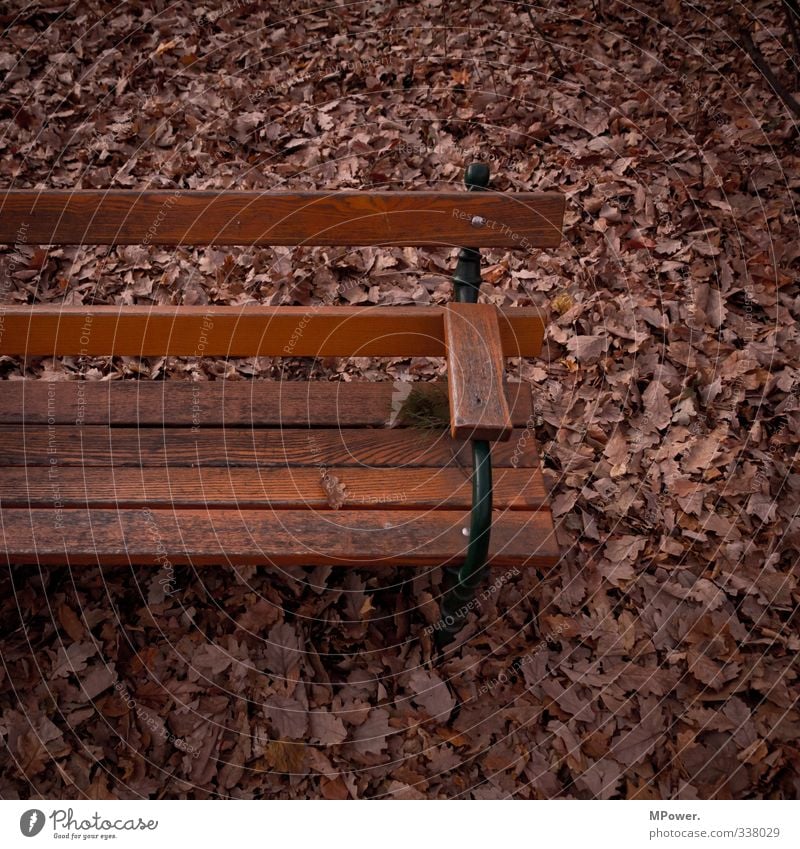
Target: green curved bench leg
[{"x": 462, "y": 581}]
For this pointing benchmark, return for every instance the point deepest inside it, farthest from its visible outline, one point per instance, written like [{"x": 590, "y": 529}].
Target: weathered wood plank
[
  {"x": 478, "y": 408},
  {"x": 245, "y": 403},
  {"x": 124, "y": 217},
  {"x": 289, "y": 537},
  {"x": 313, "y": 331},
  {"x": 66, "y": 445},
  {"x": 278, "y": 489}
]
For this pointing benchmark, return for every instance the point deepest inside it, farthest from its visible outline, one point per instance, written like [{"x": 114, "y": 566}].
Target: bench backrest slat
[
  {"x": 139, "y": 331},
  {"x": 125, "y": 217}
]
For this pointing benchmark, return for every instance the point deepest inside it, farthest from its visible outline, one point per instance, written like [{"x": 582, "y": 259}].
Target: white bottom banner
[{"x": 394, "y": 825}]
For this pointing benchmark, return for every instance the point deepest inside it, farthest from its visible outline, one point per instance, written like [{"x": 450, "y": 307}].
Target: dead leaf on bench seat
[{"x": 335, "y": 490}]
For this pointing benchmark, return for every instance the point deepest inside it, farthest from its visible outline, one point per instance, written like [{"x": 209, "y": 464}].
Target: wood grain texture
[
  {"x": 231, "y": 403},
  {"x": 248, "y": 331},
  {"x": 279, "y": 489},
  {"x": 66, "y": 445},
  {"x": 478, "y": 407},
  {"x": 288, "y": 537},
  {"x": 125, "y": 217}
]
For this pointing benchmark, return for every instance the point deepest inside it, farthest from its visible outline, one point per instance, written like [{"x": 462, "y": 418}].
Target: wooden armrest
[{"x": 478, "y": 407}]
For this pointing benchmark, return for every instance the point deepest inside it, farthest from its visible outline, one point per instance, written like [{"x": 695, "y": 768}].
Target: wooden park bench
[{"x": 279, "y": 472}]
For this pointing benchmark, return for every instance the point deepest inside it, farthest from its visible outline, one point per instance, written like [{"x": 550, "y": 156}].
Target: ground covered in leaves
[{"x": 657, "y": 659}]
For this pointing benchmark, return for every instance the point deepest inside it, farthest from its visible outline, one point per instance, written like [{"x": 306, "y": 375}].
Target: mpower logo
[
  {"x": 65, "y": 823},
  {"x": 31, "y": 822}
]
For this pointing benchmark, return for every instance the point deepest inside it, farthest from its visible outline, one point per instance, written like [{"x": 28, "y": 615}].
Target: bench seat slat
[
  {"x": 128, "y": 217},
  {"x": 271, "y": 488},
  {"x": 243, "y": 403},
  {"x": 289, "y": 537},
  {"x": 47, "y": 330},
  {"x": 65, "y": 445}
]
